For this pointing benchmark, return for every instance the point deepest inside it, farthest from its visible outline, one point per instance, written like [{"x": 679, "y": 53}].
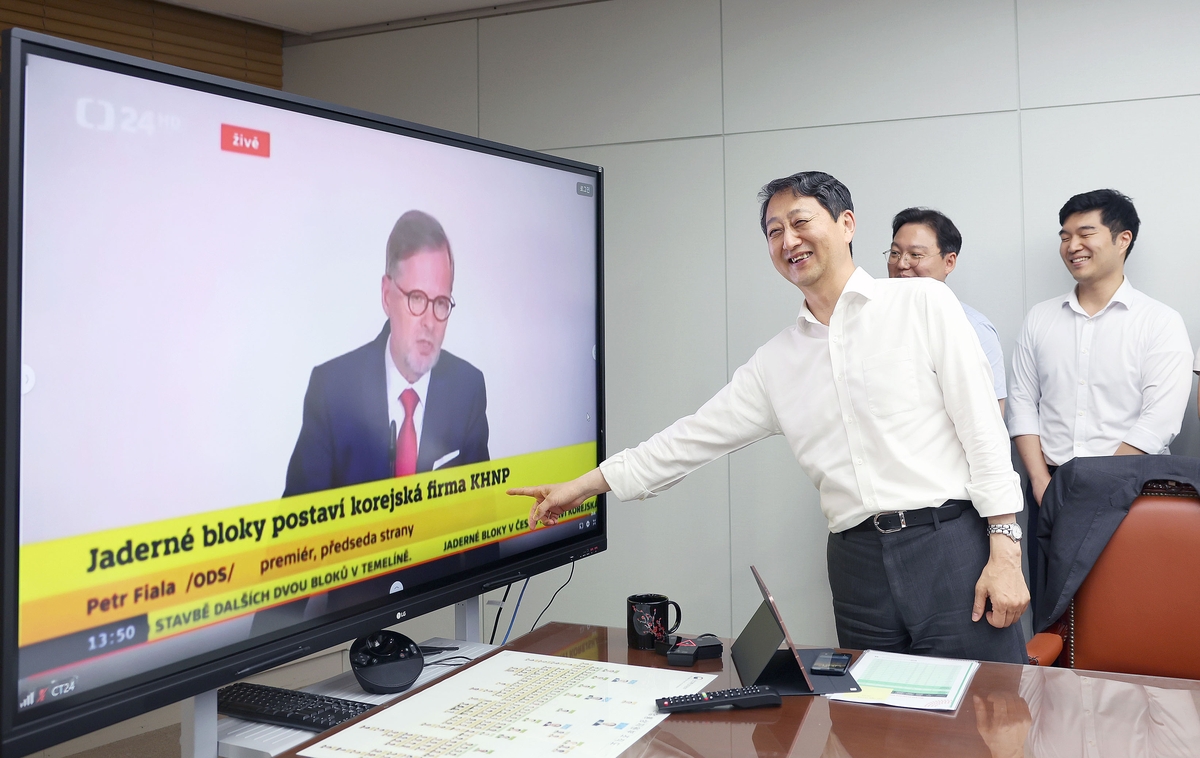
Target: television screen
[{"x": 273, "y": 367}]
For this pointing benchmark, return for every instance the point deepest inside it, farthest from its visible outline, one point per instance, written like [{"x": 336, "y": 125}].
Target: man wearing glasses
[
  {"x": 399, "y": 404},
  {"x": 925, "y": 243}
]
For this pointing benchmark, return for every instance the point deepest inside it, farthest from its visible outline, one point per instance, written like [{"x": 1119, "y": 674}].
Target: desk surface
[{"x": 1009, "y": 711}]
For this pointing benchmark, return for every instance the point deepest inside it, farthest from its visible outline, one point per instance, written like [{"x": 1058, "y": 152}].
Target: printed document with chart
[
  {"x": 516, "y": 705},
  {"x": 910, "y": 681}
]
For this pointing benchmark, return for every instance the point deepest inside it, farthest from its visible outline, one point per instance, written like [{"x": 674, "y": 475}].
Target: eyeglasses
[
  {"x": 418, "y": 303},
  {"x": 894, "y": 256}
]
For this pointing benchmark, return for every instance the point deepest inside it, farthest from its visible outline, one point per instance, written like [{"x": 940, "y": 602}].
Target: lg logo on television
[{"x": 239, "y": 139}]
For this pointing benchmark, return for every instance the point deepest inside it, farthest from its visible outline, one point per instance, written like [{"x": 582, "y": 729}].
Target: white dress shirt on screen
[
  {"x": 891, "y": 407},
  {"x": 1085, "y": 384}
]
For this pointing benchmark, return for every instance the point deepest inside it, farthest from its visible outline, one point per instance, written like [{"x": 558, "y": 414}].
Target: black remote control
[{"x": 742, "y": 697}]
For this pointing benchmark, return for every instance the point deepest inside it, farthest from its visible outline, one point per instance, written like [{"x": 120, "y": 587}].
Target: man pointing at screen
[
  {"x": 399, "y": 404},
  {"x": 886, "y": 399}
]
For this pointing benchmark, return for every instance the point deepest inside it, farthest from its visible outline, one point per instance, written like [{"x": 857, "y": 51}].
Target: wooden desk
[{"x": 1009, "y": 711}]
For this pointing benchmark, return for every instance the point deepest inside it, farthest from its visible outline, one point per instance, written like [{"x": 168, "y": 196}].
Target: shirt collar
[
  {"x": 1125, "y": 295},
  {"x": 396, "y": 383},
  {"x": 860, "y": 283}
]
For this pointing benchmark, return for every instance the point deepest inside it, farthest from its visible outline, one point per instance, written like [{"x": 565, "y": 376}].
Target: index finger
[
  {"x": 981, "y": 595},
  {"x": 524, "y": 491}
]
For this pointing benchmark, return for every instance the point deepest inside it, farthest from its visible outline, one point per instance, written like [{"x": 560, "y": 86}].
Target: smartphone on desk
[{"x": 831, "y": 664}]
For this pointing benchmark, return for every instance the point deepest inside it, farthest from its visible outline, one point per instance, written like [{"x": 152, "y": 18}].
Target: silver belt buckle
[{"x": 875, "y": 521}]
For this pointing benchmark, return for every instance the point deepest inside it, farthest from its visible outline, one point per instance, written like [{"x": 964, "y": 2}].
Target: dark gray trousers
[{"x": 912, "y": 592}]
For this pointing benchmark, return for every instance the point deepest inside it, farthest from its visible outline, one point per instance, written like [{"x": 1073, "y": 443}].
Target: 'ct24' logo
[
  {"x": 95, "y": 114},
  {"x": 54, "y": 689},
  {"x": 102, "y": 116}
]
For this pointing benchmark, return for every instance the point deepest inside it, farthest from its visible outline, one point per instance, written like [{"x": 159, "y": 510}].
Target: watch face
[{"x": 1009, "y": 530}]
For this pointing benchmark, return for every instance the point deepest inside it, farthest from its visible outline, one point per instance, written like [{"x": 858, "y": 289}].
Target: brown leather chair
[{"x": 1138, "y": 610}]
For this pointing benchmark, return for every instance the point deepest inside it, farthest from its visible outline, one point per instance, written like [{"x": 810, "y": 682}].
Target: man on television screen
[{"x": 399, "y": 404}]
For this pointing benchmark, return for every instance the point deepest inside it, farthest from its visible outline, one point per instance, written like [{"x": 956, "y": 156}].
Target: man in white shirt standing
[
  {"x": 885, "y": 397},
  {"x": 1101, "y": 370},
  {"x": 926, "y": 242}
]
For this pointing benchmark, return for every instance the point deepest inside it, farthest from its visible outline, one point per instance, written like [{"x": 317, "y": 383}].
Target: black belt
[{"x": 894, "y": 521}]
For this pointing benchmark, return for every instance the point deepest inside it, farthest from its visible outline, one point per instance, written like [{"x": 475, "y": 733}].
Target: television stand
[
  {"x": 468, "y": 620},
  {"x": 198, "y": 726},
  {"x": 201, "y": 736}
]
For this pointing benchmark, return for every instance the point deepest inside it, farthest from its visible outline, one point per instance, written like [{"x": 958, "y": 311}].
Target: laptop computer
[{"x": 759, "y": 659}]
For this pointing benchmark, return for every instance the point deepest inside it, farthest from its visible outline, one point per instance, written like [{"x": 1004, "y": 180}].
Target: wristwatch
[{"x": 1012, "y": 531}]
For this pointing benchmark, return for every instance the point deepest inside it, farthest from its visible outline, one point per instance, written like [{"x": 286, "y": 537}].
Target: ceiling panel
[{"x": 317, "y": 16}]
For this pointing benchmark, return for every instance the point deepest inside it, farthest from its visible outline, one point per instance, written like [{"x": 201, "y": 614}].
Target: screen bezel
[{"x": 42, "y": 729}]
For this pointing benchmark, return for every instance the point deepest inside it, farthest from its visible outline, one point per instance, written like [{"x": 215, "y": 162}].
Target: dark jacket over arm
[{"x": 1085, "y": 503}]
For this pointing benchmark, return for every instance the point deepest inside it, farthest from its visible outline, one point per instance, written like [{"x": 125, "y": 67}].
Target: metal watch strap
[{"x": 1012, "y": 531}]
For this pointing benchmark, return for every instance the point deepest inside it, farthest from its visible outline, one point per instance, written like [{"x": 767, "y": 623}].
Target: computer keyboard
[{"x": 273, "y": 705}]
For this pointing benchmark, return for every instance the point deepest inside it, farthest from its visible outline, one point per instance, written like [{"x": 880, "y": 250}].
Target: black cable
[
  {"x": 564, "y": 584},
  {"x": 499, "y": 611},
  {"x": 446, "y": 661}
]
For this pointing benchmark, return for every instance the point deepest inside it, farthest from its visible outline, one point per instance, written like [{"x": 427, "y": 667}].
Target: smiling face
[
  {"x": 1089, "y": 250},
  {"x": 416, "y": 341},
  {"x": 915, "y": 252},
  {"x": 805, "y": 242}
]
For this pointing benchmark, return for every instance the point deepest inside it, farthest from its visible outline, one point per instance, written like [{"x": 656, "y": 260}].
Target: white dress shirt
[
  {"x": 891, "y": 407},
  {"x": 396, "y": 384},
  {"x": 989, "y": 340},
  {"x": 1085, "y": 384}
]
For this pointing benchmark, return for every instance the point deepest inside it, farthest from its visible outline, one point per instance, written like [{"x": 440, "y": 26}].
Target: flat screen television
[{"x": 269, "y": 367}]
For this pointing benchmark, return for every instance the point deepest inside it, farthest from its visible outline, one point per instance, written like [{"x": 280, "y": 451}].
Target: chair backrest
[{"x": 1139, "y": 608}]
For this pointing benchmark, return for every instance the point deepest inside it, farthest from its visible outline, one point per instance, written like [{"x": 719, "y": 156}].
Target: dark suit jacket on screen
[{"x": 346, "y": 437}]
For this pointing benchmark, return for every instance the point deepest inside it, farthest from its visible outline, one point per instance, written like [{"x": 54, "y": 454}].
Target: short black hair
[
  {"x": 1116, "y": 212},
  {"x": 949, "y": 239},
  {"x": 415, "y": 231},
  {"x": 829, "y": 192}
]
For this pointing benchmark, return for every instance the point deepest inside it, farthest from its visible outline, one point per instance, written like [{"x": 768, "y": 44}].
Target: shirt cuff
[
  {"x": 1023, "y": 423},
  {"x": 997, "y": 498},
  {"x": 1144, "y": 439},
  {"x": 621, "y": 480}
]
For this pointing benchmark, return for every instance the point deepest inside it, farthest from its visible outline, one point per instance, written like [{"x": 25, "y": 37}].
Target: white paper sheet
[
  {"x": 910, "y": 681},
  {"x": 519, "y": 705}
]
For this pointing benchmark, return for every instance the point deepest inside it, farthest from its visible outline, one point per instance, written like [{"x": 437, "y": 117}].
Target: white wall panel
[
  {"x": 790, "y": 64},
  {"x": 1146, "y": 149},
  {"x": 1086, "y": 51},
  {"x": 426, "y": 75},
  {"x": 967, "y": 166},
  {"x": 665, "y": 356},
  {"x": 691, "y": 293},
  {"x": 618, "y": 71}
]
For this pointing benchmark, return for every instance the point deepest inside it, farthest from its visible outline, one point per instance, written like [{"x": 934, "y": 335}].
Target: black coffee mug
[{"x": 647, "y": 620}]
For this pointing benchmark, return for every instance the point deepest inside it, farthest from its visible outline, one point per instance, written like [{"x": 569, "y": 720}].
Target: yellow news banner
[
  {"x": 81, "y": 582},
  {"x": 195, "y": 613}
]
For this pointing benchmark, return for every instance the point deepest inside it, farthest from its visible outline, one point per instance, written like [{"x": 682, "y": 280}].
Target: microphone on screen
[{"x": 392, "y": 450}]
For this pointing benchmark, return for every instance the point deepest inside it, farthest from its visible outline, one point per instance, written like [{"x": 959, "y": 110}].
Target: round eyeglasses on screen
[{"x": 418, "y": 303}]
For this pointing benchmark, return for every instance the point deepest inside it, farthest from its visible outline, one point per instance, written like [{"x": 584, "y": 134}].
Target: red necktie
[{"x": 406, "y": 441}]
